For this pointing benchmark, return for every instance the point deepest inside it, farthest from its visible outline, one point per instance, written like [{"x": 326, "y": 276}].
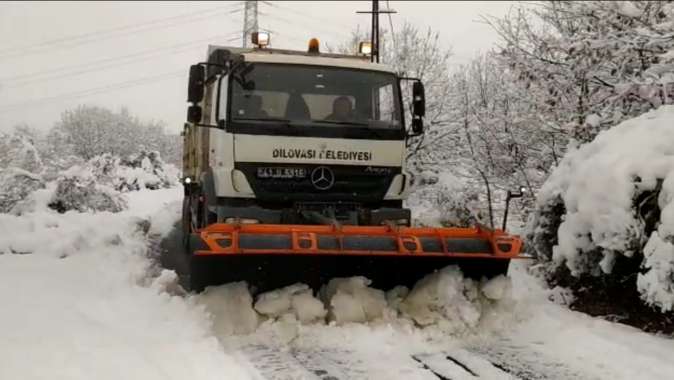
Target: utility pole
[
  {"x": 249, "y": 21},
  {"x": 374, "y": 34}
]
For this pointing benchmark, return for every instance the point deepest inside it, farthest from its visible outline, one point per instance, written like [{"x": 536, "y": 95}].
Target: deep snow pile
[
  {"x": 80, "y": 297},
  {"x": 614, "y": 197},
  {"x": 444, "y": 300}
]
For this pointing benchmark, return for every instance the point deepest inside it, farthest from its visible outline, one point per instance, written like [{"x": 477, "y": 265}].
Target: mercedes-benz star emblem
[{"x": 322, "y": 178}]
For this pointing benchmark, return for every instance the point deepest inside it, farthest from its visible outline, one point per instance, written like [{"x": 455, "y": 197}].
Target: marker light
[
  {"x": 188, "y": 180},
  {"x": 261, "y": 39},
  {"x": 313, "y": 46},
  {"x": 365, "y": 48}
]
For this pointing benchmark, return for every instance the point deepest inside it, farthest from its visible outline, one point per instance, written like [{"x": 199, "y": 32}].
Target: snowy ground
[{"x": 82, "y": 298}]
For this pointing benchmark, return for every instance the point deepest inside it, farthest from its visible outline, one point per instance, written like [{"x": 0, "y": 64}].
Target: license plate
[{"x": 282, "y": 173}]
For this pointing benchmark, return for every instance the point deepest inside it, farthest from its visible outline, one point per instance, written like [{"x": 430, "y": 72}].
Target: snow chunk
[
  {"x": 443, "y": 296},
  {"x": 307, "y": 308},
  {"x": 231, "y": 307},
  {"x": 297, "y": 300},
  {"x": 452, "y": 302},
  {"x": 498, "y": 288},
  {"x": 352, "y": 300}
]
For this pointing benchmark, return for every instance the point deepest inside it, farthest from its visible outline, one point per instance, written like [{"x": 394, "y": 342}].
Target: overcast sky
[{"x": 54, "y": 56}]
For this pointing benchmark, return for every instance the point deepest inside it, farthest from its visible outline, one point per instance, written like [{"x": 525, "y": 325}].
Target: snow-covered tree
[
  {"x": 89, "y": 131},
  {"x": 609, "y": 204},
  {"x": 17, "y": 150},
  {"x": 20, "y": 167},
  {"x": 15, "y": 185},
  {"x": 416, "y": 53},
  {"x": 590, "y": 64}
]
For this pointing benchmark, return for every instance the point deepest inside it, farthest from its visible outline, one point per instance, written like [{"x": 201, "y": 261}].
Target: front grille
[{"x": 351, "y": 182}]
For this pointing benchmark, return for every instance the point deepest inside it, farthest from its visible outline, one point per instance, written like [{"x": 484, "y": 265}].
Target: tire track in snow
[
  {"x": 275, "y": 363},
  {"x": 526, "y": 363},
  {"x": 461, "y": 365}
]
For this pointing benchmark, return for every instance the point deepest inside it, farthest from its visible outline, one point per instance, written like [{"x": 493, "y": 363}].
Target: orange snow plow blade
[{"x": 268, "y": 256}]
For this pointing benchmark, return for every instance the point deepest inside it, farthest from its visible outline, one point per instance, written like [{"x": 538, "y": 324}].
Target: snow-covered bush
[
  {"x": 20, "y": 168},
  {"x": 147, "y": 169},
  {"x": 443, "y": 200},
  {"x": 78, "y": 190},
  {"x": 18, "y": 151},
  {"x": 15, "y": 185},
  {"x": 144, "y": 170},
  {"x": 616, "y": 195}
]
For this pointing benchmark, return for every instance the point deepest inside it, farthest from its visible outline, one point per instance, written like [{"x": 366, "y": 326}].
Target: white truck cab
[{"x": 291, "y": 137}]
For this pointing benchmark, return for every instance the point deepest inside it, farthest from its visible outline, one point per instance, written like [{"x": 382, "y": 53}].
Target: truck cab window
[{"x": 325, "y": 97}]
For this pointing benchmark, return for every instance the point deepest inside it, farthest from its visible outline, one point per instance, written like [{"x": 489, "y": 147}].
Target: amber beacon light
[{"x": 313, "y": 46}]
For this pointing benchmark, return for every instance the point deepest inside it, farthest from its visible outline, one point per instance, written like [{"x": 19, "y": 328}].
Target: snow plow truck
[{"x": 294, "y": 171}]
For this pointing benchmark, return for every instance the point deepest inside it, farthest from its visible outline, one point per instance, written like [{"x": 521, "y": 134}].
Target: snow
[
  {"x": 232, "y": 308},
  {"x": 15, "y": 185},
  {"x": 599, "y": 182},
  {"x": 352, "y": 300},
  {"x": 657, "y": 285},
  {"x": 80, "y": 303},
  {"x": 296, "y": 299},
  {"x": 85, "y": 297},
  {"x": 452, "y": 302},
  {"x": 628, "y": 9},
  {"x": 442, "y": 199}
]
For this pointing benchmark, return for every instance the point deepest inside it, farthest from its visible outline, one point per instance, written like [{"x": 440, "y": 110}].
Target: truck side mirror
[
  {"x": 195, "y": 88},
  {"x": 418, "y": 108},
  {"x": 194, "y": 114},
  {"x": 418, "y": 99}
]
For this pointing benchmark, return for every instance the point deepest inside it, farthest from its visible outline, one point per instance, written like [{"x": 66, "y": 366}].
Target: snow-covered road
[{"x": 82, "y": 298}]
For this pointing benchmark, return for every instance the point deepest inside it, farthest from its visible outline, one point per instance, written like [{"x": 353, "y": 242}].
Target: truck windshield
[{"x": 324, "y": 97}]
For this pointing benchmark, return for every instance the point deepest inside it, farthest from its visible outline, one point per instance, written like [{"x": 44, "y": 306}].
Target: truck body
[
  {"x": 294, "y": 171},
  {"x": 284, "y": 157}
]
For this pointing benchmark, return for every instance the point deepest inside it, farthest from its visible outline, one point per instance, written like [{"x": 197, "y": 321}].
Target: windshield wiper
[
  {"x": 342, "y": 122},
  {"x": 261, "y": 119}
]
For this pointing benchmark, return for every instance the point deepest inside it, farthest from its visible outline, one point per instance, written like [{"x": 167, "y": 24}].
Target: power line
[
  {"x": 96, "y": 90},
  {"x": 110, "y": 30},
  {"x": 34, "y": 49},
  {"x": 310, "y": 17},
  {"x": 104, "y": 64}
]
